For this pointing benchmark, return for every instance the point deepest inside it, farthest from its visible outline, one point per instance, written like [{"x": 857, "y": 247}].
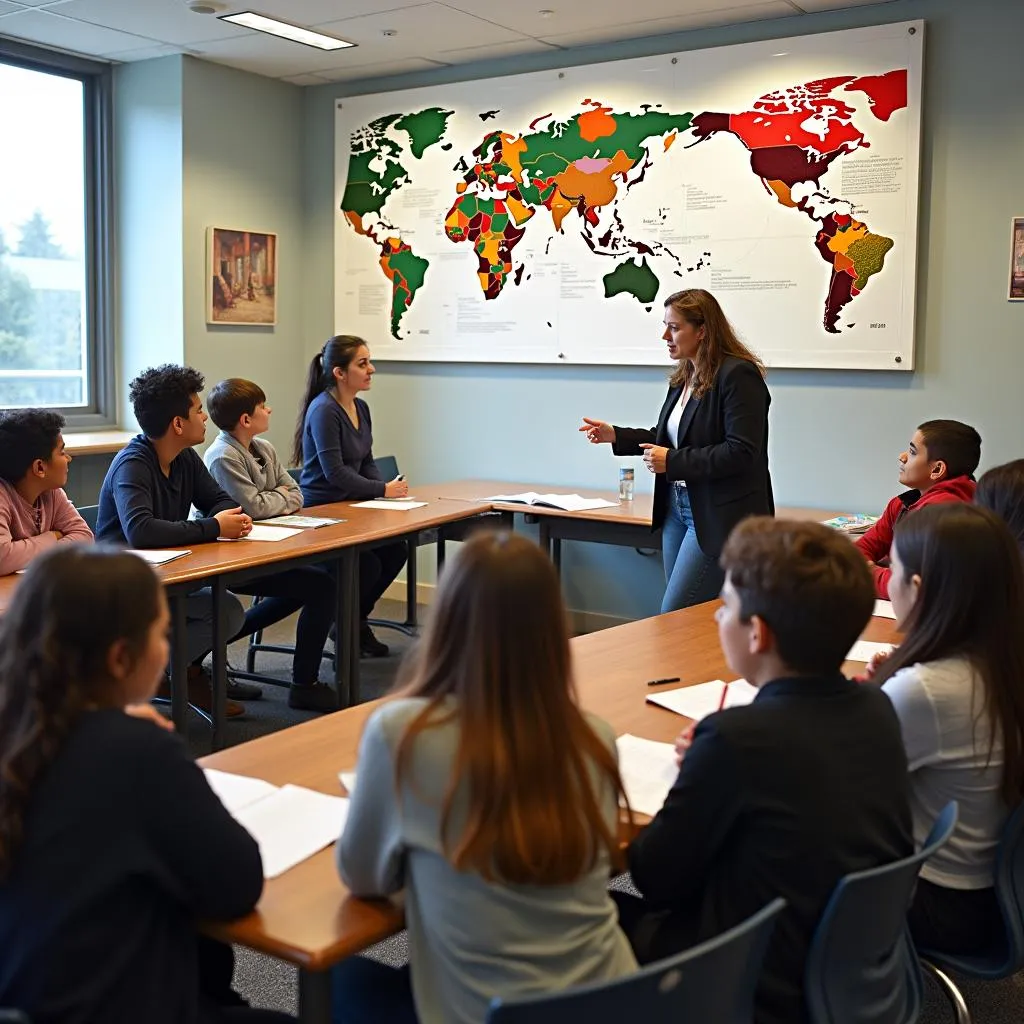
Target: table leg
[
  {"x": 179, "y": 662},
  {"x": 314, "y": 997},
  {"x": 410, "y": 584},
  {"x": 350, "y": 564},
  {"x": 220, "y": 664},
  {"x": 556, "y": 553},
  {"x": 342, "y": 639}
]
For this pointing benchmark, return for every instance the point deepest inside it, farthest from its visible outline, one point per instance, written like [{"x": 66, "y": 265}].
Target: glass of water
[{"x": 626, "y": 483}]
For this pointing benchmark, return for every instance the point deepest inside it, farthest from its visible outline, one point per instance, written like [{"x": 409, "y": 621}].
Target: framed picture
[
  {"x": 1017, "y": 260},
  {"x": 241, "y": 277}
]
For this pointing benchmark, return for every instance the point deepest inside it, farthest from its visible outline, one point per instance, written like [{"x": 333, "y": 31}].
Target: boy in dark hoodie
[{"x": 937, "y": 466}]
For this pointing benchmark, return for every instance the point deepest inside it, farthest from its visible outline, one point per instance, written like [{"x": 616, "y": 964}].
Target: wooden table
[{"x": 308, "y": 918}]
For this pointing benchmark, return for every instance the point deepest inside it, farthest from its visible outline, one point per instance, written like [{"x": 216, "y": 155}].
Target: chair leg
[{"x": 952, "y": 993}]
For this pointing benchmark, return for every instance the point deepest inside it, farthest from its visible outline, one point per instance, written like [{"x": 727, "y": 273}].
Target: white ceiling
[{"x": 422, "y": 34}]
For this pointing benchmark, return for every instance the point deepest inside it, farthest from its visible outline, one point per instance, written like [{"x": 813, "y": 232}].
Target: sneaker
[
  {"x": 200, "y": 693},
  {"x": 369, "y": 645},
  {"x": 238, "y": 690},
  {"x": 313, "y": 697}
]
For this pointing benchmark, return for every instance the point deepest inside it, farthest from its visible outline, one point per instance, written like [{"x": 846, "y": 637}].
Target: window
[{"x": 55, "y": 339}]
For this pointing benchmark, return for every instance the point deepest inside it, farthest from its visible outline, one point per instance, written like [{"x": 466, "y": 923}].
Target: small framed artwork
[
  {"x": 1017, "y": 260},
  {"x": 241, "y": 276}
]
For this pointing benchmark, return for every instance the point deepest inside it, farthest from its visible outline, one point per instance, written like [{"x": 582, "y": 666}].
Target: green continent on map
[
  {"x": 374, "y": 170},
  {"x": 634, "y": 279},
  {"x": 406, "y": 271},
  {"x": 425, "y": 129}
]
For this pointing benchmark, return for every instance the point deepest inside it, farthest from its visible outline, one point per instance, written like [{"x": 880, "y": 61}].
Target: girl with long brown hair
[
  {"x": 708, "y": 450},
  {"x": 112, "y": 845},
  {"x": 334, "y": 445},
  {"x": 957, "y": 588},
  {"x": 490, "y": 797}
]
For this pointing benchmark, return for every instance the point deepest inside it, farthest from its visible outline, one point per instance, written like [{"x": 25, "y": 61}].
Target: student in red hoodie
[{"x": 937, "y": 466}]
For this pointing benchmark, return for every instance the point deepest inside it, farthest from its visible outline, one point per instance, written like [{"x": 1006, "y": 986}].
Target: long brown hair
[
  {"x": 1001, "y": 489},
  {"x": 701, "y": 308},
  {"x": 73, "y": 604},
  {"x": 534, "y": 768},
  {"x": 970, "y": 604},
  {"x": 337, "y": 353}
]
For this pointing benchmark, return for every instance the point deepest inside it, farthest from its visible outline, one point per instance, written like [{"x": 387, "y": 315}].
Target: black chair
[
  {"x": 861, "y": 968},
  {"x": 712, "y": 983},
  {"x": 1006, "y": 955},
  {"x": 89, "y": 513}
]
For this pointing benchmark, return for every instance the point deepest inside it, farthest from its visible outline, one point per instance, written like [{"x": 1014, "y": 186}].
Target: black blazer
[
  {"x": 779, "y": 798},
  {"x": 722, "y": 454}
]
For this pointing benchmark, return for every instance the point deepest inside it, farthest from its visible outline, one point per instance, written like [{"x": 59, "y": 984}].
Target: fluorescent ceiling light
[{"x": 295, "y": 33}]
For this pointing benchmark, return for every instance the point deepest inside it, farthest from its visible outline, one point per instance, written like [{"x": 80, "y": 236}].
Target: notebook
[
  {"x": 565, "y": 502},
  {"x": 302, "y": 522},
  {"x": 703, "y": 699},
  {"x": 648, "y": 770}
]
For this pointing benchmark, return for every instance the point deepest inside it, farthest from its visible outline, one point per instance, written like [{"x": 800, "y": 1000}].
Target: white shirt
[
  {"x": 676, "y": 415},
  {"x": 946, "y": 734}
]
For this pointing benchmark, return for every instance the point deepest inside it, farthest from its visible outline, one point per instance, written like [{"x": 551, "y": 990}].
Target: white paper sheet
[
  {"x": 865, "y": 650},
  {"x": 388, "y": 503},
  {"x": 260, "y": 531},
  {"x": 884, "y": 609},
  {"x": 302, "y": 522},
  {"x": 703, "y": 699},
  {"x": 237, "y": 791},
  {"x": 293, "y": 824},
  {"x": 566, "y": 502},
  {"x": 159, "y": 556},
  {"x": 648, "y": 770},
  {"x": 348, "y": 780}
]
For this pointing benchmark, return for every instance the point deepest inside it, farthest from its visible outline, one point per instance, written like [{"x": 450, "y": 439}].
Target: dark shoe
[
  {"x": 369, "y": 645},
  {"x": 314, "y": 697},
  {"x": 200, "y": 693},
  {"x": 243, "y": 691}
]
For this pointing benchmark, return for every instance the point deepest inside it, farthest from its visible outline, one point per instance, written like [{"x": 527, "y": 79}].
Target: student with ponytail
[
  {"x": 957, "y": 588},
  {"x": 487, "y": 794},
  {"x": 112, "y": 844},
  {"x": 334, "y": 446}
]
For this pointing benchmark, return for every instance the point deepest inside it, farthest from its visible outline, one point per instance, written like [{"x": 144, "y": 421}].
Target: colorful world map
[{"x": 573, "y": 173}]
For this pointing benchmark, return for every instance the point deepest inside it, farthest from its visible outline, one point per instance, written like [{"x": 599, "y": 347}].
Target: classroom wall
[{"x": 834, "y": 435}]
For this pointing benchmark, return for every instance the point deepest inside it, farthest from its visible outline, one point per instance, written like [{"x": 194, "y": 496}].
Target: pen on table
[
  {"x": 661, "y": 682},
  {"x": 725, "y": 693}
]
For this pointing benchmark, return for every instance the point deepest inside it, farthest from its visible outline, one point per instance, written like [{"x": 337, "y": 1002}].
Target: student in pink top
[{"x": 35, "y": 513}]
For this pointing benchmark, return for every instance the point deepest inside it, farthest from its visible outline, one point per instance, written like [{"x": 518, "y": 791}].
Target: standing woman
[
  {"x": 709, "y": 450},
  {"x": 334, "y": 446}
]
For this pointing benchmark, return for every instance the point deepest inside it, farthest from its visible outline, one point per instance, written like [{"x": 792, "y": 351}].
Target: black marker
[{"x": 661, "y": 682}]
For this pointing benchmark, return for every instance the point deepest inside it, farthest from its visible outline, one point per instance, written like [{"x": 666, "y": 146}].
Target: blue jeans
[{"x": 691, "y": 577}]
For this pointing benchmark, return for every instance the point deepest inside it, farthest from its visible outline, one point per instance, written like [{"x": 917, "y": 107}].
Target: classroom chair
[
  {"x": 714, "y": 981},
  {"x": 89, "y": 513},
  {"x": 1006, "y": 955},
  {"x": 861, "y": 968}
]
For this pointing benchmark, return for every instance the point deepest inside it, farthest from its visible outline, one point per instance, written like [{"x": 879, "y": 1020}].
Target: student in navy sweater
[
  {"x": 334, "y": 446},
  {"x": 112, "y": 844}
]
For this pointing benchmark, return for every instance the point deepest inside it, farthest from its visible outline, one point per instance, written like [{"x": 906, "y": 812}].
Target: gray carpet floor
[{"x": 272, "y": 984}]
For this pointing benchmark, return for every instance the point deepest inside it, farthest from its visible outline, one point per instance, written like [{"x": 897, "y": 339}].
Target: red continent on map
[{"x": 887, "y": 93}]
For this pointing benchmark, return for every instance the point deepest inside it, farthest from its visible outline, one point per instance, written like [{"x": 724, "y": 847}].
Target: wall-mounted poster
[
  {"x": 1017, "y": 260},
  {"x": 546, "y": 217},
  {"x": 242, "y": 277}
]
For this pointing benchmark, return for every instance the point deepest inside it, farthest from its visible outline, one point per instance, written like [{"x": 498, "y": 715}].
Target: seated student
[
  {"x": 937, "y": 466},
  {"x": 146, "y": 496},
  {"x": 112, "y": 844},
  {"x": 249, "y": 471},
  {"x": 957, "y": 589},
  {"x": 788, "y": 794},
  {"x": 486, "y": 794},
  {"x": 35, "y": 513},
  {"x": 334, "y": 445},
  {"x": 1001, "y": 489}
]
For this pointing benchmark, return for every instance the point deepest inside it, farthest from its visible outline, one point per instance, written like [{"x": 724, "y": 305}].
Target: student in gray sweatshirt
[
  {"x": 247, "y": 468},
  {"x": 491, "y": 798}
]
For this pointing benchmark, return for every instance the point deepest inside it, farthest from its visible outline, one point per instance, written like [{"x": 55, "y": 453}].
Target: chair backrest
[
  {"x": 861, "y": 966},
  {"x": 714, "y": 981},
  {"x": 388, "y": 466},
  {"x": 295, "y": 472},
  {"x": 1009, "y": 884},
  {"x": 89, "y": 513}
]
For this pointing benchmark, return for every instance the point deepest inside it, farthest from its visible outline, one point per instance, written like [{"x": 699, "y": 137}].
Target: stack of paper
[
  {"x": 855, "y": 524},
  {"x": 290, "y": 824},
  {"x": 865, "y": 650},
  {"x": 348, "y": 780},
  {"x": 566, "y": 502},
  {"x": 884, "y": 609},
  {"x": 648, "y": 770},
  {"x": 390, "y": 503},
  {"x": 157, "y": 556},
  {"x": 303, "y": 522},
  {"x": 260, "y": 531},
  {"x": 699, "y": 701}
]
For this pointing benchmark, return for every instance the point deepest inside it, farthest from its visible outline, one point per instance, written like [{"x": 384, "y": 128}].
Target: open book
[
  {"x": 302, "y": 522},
  {"x": 855, "y": 524},
  {"x": 566, "y": 502}
]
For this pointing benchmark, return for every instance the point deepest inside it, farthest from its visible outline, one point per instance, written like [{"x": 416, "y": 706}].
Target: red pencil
[{"x": 725, "y": 693}]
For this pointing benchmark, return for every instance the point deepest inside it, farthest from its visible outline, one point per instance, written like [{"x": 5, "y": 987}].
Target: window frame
[{"x": 97, "y": 111}]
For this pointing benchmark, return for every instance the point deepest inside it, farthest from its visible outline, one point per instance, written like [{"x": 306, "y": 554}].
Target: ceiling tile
[
  {"x": 315, "y": 13},
  {"x": 39, "y": 3},
  {"x": 143, "y": 53},
  {"x": 678, "y": 23},
  {"x": 68, "y": 34},
  {"x": 168, "y": 21},
  {"x": 834, "y": 5},
  {"x": 304, "y": 80},
  {"x": 463, "y": 54},
  {"x": 398, "y": 67},
  {"x": 6, "y": 8}
]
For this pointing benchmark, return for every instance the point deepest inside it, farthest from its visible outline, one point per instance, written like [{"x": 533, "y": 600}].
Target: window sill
[{"x": 96, "y": 442}]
